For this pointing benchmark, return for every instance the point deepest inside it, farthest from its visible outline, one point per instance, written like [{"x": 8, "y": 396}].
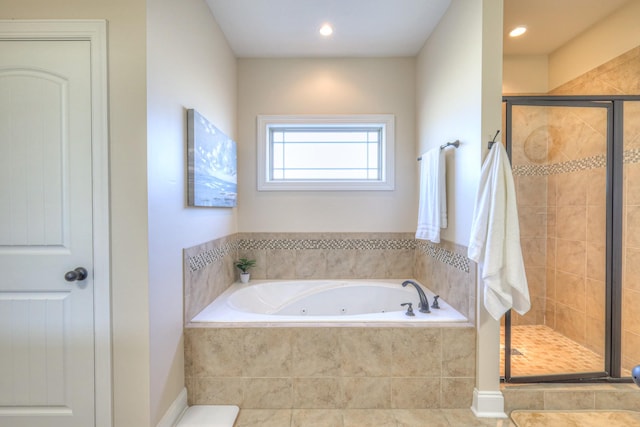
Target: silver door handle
[{"x": 79, "y": 274}]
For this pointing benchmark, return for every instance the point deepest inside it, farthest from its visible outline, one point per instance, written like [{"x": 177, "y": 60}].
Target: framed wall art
[{"x": 212, "y": 164}]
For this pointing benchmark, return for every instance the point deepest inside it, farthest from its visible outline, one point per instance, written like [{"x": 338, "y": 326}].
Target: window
[{"x": 325, "y": 152}]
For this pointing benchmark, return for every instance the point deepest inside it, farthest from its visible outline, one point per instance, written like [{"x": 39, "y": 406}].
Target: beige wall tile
[
  {"x": 596, "y": 264},
  {"x": 268, "y": 393},
  {"x": 630, "y": 349},
  {"x": 571, "y": 256},
  {"x": 522, "y": 399},
  {"x": 632, "y": 269},
  {"x": 216, "y": 352},
  {"x": 416, "y": 393},
  {"x": 281, "y": 264},
  {"x": 570, "y": 290},
  {"x": 311, "y": 264},
  {"x": 315, "y": 352},
  {"x": 457, "y": 392},
  {"x": 596, "y": 299},
  {"x": 571, "y": 323},
  {"x": 630, "y": 312},
  {"x": 318, "y": 393},
  {"x": 625, "y": 400},
  {"x": 341, "y": 264},
  {"x": 569, "y": 400},
  {"x": 416, "y": 352},
  {"x": 570, "y": 189},
  {"x": 595, "y": 335},
  {"x": 458, "y": 352},
  {"x": 267, "y": 352},
  {"x": 218, "y": 391},
  {"x": 366, "y": 351},
  {"x": 367, "y": 392},
  {"x": 571, "y": 222}
]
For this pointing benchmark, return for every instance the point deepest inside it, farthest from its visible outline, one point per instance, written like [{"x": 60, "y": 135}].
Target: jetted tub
[{"x": 347, "y": 302}]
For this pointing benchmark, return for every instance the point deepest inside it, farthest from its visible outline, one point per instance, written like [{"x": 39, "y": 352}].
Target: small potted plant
[{"x": 245, "y": 264}]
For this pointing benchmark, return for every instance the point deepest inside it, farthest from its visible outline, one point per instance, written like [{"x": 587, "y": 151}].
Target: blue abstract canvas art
[{"x": 212, "y": 168}]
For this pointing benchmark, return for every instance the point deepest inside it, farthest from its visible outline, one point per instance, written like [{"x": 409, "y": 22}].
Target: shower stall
[{"x": 576, "y": 167}]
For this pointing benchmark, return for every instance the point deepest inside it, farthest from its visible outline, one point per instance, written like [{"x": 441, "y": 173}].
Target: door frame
[{"x": 95, "y": 32}]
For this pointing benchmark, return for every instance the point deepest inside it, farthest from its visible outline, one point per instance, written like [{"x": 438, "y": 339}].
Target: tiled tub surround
[
  {"x": 208, "y": 272},
  {"x": 331, "y": 368},
  {"x": 339, "y": 367},
  {"x": 446, "y": 270},
  {"x": 443, "y": 268}
]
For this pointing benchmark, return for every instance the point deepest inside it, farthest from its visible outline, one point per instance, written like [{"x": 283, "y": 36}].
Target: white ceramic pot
[{"x": 244, "y": 277}]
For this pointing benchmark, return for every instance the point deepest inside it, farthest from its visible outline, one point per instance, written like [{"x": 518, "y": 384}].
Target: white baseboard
[
  {"x": 488, "y": 404},
  {"x": 175, "y": 411}
]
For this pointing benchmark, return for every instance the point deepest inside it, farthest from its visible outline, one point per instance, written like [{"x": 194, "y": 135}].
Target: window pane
[
  {"x": 322, "y": 153},
  {"x": 326, "y": 174},
  {"x": 330, "y": 156}
]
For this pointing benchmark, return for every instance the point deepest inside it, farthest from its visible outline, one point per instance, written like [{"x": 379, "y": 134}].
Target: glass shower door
[
  {"x": 630, "y": 293},
  {"x": 559, "y": 152}
]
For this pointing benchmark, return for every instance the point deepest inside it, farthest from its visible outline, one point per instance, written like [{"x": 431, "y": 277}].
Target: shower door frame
[{"x": 614, "y": 231}]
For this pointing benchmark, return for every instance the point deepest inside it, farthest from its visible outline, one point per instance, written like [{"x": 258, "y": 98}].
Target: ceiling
[{"x": 289, "y": 28}]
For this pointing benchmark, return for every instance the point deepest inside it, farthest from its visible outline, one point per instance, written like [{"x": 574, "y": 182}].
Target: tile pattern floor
[
  {"x": 365, "y": 418},
  {"x": 539, "y": 350},
  {"x": 576, "y": 418}
]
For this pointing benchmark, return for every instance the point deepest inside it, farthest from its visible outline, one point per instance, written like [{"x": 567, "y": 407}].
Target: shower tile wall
[
  {"x": 622, "y": 76},
  {"x": 560, "y": 183}
]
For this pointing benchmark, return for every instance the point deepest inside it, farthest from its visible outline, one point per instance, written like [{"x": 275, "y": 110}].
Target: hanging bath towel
[
  {"x": 432, "y": 208},
  {"x": 495, "y": 238}
]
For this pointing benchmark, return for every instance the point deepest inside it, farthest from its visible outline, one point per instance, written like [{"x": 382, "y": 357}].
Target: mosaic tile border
[
  {"x": 210, "y": 256},
  {"x": 587, "y": 163},
  {"x": 445, "y": 256},
  {"x": 332, "y": 244},
  {"x": 594, "y": 162}
]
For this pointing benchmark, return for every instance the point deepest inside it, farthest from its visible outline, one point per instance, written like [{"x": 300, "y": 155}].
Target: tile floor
[
  {"x": 539, "y": 350},
  {"x": 365, "y": 418}
]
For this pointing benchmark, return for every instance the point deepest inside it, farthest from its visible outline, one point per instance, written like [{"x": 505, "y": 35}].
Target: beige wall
[
  {"x": 604, "y": 41},
  {"x": 327, "y": 86},
  {"x": 525, "y": 74},
  {"x": 190, "y": 65},
  {"x": 449, "y": 107}
]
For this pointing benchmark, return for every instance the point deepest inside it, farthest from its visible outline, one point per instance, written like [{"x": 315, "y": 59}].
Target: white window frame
[{"x": 385, "y": 183}]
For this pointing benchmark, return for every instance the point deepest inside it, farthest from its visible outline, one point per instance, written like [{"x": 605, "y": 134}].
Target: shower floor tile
[{"x": 539, "y": 350}]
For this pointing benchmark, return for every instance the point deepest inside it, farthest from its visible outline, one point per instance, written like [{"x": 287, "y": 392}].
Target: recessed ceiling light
[
  {"x": 518, "y": 31},
  {"x": 326, "y": 30}
]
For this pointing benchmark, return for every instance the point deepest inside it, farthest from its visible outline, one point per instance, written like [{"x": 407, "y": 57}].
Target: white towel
[
  {"x": 495, "y": 238},
  {"x": 432, "y": 208}
]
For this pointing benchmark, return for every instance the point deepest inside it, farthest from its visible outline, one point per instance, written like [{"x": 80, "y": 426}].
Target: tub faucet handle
[
  {"x": 409, "y": 310},
  {"x": 435, "y": 302}
]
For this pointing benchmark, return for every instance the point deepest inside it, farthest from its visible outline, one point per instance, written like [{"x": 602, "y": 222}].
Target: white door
[{"x": 46, "y": 321}]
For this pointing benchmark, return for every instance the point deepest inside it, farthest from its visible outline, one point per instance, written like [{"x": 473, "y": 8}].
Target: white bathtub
[{"x": 344, "y": 302}]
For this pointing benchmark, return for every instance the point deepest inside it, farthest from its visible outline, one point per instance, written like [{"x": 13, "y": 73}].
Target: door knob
[{"x": 78, "y": 274}]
